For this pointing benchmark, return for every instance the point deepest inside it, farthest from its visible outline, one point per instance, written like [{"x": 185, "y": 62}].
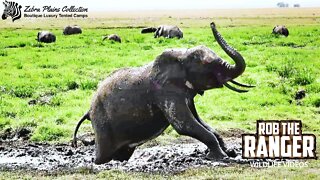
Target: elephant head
[{"x": 199, "y": 68}]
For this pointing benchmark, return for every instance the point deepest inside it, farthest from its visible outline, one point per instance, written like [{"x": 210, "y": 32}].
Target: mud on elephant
[{"x": 134, "y": 105}]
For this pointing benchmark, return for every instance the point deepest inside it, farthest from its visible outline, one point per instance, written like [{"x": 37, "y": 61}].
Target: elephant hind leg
[
  {"x": 123, "y": 154},
  {"x": 104, "y": 149},
  {"x": 107, "y": 151}
]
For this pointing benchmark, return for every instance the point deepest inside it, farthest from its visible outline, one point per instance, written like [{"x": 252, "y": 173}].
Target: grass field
[{"x": 62, "y": 77}]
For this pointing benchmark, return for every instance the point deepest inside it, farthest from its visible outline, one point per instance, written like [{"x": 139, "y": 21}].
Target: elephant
[
  {"x": 46, "y": 37},
  {"x": 281, "y": 30},
  {"x": 113, "y": 37},
  {"x": 168, "y": 32},
  {"x": 69, "y": 30},
  {"x": 148, "y": 30},
  {"x": 134, "y": 105}
]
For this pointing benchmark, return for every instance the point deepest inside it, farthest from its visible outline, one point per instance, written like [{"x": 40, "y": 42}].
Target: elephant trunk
[{"x": 240, "y": 65}]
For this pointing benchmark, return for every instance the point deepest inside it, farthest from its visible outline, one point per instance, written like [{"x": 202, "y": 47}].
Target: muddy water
[{"x": 175, "y": 157}]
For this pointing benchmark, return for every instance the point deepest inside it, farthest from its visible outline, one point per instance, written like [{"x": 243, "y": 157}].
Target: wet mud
[{"x": 176, "y": 156}]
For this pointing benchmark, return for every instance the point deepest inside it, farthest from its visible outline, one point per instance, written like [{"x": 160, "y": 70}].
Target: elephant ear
[
  {"x": 168, "y": 70},
  {"x": 156, "y": 33},
  {"x": 161, "y": 29}
]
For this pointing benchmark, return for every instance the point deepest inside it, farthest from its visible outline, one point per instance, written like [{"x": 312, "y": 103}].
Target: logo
[
  {"x": 12, "y": 9},
  {"x": 279, "y": 140},
  {"x": 15, "y": 10}
]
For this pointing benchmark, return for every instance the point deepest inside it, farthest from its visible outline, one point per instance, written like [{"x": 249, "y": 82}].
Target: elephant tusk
[
  {"x": 242, "y": 85},
  {"x": 235, "y": 89}
]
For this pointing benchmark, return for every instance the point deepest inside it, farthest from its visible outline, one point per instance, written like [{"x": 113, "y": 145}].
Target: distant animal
[
  {"x": 46, "y": 37},
  {"x": 281, "y": 30},
  {"x": 300, "y": 94},
  {"x": 134, "y": 105},
  {"x": 113, "y": 37},
  {"x": 69, "y": 30},
  {"x": 12, "y": 9},
  {"x": 168, "y": 32},
  {"x": 148, "y": 30}
]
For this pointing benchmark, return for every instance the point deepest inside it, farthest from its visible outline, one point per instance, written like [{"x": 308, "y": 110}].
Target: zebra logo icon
[{"x": 12, "y": 9}]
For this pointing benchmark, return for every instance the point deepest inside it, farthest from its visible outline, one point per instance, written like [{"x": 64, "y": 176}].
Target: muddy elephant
[
  {"x": 46, "y": 37},
  {"x": 69, "y": 30},
  {"x": 168, "y": 32},
  {"x": 148, "y": 30},
  {"x": 281, "y": 30},
  {"x": 113, "y": 37},
  {"x": 134, "y": 105}
]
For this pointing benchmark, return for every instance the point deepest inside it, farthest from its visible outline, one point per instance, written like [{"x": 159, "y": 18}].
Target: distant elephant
[
  {"x": 134, "y": 105},
  {"x": 282, "y": 30},
  {"x": 69, "y": 30},
  {"x": 168, "y": 32},
  {"x": 113, "y": 37},
  {"x": 46, "y": 37},
  {"x": 148, "y": 30}
]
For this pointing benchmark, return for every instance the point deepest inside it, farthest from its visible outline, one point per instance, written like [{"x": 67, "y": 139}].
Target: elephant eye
[{"x": 205, "y": 62}]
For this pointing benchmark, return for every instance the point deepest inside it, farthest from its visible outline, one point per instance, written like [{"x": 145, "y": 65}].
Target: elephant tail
[{"x": 84, "y": 117}]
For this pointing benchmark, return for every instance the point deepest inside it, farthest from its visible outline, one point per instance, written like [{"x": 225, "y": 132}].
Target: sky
[{"x": 132, "y": 5}]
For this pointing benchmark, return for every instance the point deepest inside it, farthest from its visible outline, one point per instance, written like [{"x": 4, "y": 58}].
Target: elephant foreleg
[
  {"x": 196, "y": 115},
  {"x": 183, "y": 121},
  {"x": 230, "y": 152}
]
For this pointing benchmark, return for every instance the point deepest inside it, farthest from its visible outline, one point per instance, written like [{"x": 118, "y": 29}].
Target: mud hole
[{"x": 176, "y": 156}]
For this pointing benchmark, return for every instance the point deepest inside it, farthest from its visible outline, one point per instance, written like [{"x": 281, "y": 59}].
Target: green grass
[{"x": 67, "y": 73}]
